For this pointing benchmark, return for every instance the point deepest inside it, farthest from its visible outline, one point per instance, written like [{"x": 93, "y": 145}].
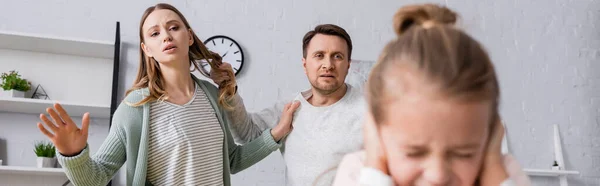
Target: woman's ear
[
  {"x": 191, "y": 36},
  {"x": 146, "y": 50}
]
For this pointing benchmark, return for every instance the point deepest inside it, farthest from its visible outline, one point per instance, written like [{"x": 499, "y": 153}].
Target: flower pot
[
  {"x": 44, "y": 162},
  {"x": 13, "y": 94}
]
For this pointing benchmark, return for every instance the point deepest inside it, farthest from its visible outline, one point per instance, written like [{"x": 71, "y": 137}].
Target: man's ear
[
  {"x": 304, "y": 64},
  {"x": 146, "y": 50},
  {"x": 349, "y": 63}
]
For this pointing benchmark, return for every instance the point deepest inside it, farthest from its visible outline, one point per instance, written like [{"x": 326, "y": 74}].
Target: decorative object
[
  {"x": 68, "y": 48},
  {"x": 40, "y": 93},
  {"x": 46, "y": 153},
  {"x": 555, "y": 166},
  {"x": 230, "y": 51},
  {"x": 13, "y": 85},
  {"x": 558, "y": 168}
]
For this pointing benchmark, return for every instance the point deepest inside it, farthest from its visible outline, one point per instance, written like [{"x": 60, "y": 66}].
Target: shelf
[
  {"x": 55, "y": 45},
  {"x": 551, "y": 173},
  {"x": 31, "y": 171},
  {"x": 38, "y": 106}
]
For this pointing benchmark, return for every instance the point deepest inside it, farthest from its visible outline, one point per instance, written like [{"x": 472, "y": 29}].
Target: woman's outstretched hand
[{"x": 68, "y": 139}]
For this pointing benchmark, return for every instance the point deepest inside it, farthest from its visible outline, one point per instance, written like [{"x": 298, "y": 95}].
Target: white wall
[
  {"x": 64, "y": 78},
  {"x": 546, "y": 54}
]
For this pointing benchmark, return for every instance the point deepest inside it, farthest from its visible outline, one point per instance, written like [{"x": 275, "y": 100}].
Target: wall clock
[{"x": 230, "y": 51}]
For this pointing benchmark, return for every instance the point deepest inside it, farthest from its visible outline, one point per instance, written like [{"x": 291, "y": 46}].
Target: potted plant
[
  {"x": 46, "y": 153},
  {"x": 13, "y": 85}
]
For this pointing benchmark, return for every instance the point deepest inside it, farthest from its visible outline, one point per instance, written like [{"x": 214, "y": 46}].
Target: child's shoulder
[
  {"x": 349, "y": 168},
  {"x": 354, "y": 160}
]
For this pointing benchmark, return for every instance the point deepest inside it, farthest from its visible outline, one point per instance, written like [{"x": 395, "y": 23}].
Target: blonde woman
[{"x": 172, "y": 128}]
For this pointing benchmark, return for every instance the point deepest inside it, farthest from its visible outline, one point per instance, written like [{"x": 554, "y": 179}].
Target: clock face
[{"x": 230, "y": 51}]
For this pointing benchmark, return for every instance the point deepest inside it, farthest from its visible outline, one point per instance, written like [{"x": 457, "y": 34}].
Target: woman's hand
[
  {"x": 222, "y": 76},
  {"x": 285, "y": 122},
  {"x": 68, "y": 139}
]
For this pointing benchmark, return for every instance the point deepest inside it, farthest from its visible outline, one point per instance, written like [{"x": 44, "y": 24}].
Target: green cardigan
[{"x": 127, "y": 142}]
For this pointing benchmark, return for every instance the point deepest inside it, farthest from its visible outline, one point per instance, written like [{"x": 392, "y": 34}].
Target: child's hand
[
  {"x": 375, "y": 152},
  {"x": 493, "y": 172}
]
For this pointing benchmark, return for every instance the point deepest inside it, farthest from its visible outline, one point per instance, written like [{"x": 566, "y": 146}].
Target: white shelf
[
  {"x": 550, "y": 173},
  {"x": 38, "y": 106},
  {"x": 55, "y": 45},
  {"x": 31, "y": 171}
]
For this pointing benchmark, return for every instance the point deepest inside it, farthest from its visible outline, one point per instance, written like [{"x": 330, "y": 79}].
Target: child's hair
[
  {"x": 450, "y": 59},
  {"x": 149, "y": 71}
]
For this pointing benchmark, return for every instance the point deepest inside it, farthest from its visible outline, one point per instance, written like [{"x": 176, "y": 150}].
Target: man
[{"x": 328, "y": 123}]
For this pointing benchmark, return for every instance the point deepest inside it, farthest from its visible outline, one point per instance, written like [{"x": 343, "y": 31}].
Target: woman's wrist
[{"x": 278, "y": 133}]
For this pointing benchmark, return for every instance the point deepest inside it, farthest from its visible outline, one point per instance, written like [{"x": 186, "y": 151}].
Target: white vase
[
  {"x": 43, "y": 162},
  {"x": 13, "y": 94}
]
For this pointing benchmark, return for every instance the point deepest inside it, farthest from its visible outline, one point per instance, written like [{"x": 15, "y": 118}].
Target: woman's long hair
[{"x": 149, "y": 71}]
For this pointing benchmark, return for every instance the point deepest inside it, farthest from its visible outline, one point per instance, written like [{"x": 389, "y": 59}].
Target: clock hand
[{"x": 224, "y": 54}]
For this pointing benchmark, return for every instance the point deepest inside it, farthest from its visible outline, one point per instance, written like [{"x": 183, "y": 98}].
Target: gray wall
[{"x": 546, "y": 53}]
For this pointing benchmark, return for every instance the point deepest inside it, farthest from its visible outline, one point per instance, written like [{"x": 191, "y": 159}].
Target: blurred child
[{"x": 433, "y": 110}]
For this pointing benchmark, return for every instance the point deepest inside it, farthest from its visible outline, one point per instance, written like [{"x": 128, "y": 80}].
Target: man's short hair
[{"x": 327, "y": 29}]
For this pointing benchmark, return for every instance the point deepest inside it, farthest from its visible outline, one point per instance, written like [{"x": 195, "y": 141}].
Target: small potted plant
[
  {"x": 46, "y": 153},
  {"x": 13, "y": 85}
]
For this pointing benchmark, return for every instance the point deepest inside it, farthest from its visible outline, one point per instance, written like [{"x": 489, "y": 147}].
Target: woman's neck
[{"x": 177, "y": 79}]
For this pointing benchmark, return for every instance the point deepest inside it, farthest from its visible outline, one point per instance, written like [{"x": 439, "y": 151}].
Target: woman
[
  {"x": 171, "y": 127},
  {"x": 433, "y": 110}
]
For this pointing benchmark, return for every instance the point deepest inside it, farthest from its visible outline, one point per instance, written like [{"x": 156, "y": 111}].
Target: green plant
[
  {"x": 45, "y": 149},
  {"x": 13, "y": 80}
]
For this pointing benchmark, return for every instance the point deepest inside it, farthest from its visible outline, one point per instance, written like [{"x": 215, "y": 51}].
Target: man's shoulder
[
  {"x": 356, "y": 91},
  {"x": 356, "y": 96}
]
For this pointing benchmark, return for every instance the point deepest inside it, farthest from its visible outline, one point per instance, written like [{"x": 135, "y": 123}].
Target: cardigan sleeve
[
  {"x": 246, "y": 155},
  {"x": 85, "y": 170},
  {"x": 260, "y": 144},
  {"x": 246, "y": 126}
]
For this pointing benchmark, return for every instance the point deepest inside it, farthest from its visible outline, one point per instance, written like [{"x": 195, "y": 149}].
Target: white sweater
[{"x": 320, "y": 138}]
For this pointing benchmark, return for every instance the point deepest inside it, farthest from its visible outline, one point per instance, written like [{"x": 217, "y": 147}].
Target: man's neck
[{"x": 319, "y": 99}]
